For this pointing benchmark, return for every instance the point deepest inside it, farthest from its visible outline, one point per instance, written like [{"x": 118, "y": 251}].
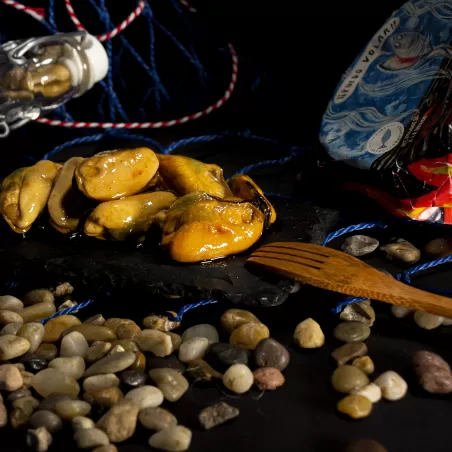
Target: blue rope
[
  {"x": 51, "y": 13},
  {"x": 266, "y": 163},
  {"x": 188, "y": 307},
  {"x": 68, "y": 144},
  {"x": 352, "y": 228},
  {"x": 68, "y": 311},
  {"x": 406, "y": 275}
]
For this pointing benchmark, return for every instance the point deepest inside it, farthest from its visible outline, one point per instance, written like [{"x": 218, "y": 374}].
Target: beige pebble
[
  {"x": 428, "y": 321},
  {"x": 11, "y": 329},
  {"x": 12, "y": 347},
  {"x": 34, "y": 333},
  {"x": 82, "y": 422},
  {"x": 97, "y": 319},
  {"x": 37, "y": 312},
  {"x": 360, "y": 312},
  {"x": 202, "y": 330},
  {"x": 371, "y": 391},
  {"x": 27, "y": 378},
  {"x": 146, "y": 396},
  {"x": 20, "y": 366},
  {"x": 127, "y": 344},
  {"x": 119, "y": 423},
  {"x": 393, "y": 386},
  {"x": 68, "y": 409},
  {"x": 11, "y": 303},
  {"x": 447, "y": 321},
  {"x": 348, "y": 378},
  {"x": 117, "y": 349},
  {"x": 156, "y": 418},
  {"x": 194, "y": 348},
  {"x": 115, "y": 322},
  {"x": 93, "y": 333},
  {"x": 63, "y": 289},
  {"x": 9, "y": 317},
  {"x": 3, "y": 416},
  {"x": 55, "y": 327},
  {"x": 52, "y": 380},
  {"x": 73, "y": 366},
  {"x": 111, "y": 364},
  {"x": 365, "y": 364},
  {"x": 50, "y": 401},
  {"x": 108, "y": 448},
  {"x": 308, "y": 334},
  {"x": 38, "y": 439},
  {"x": 172, "y": 384},
  {"x": 249, "y": 335},
  {"x": 47, "y": 419},
  {"x": 97, "y": 351},
  {"x": 233, "y": 318},
  {"x": 155, "y": 341},
  {"x": 355, "y": 406},
  {"x": 97, "y": 382},
  {"x": 140, "y": 362},
  {"x": 160, "y": 322},
  {"x": 176, "y": 340},
  {"x": 74, "y": 344},
  {"x": 89, "y": 438},
  {"x": 21, "y": 411},
  {"x": 400, "y": 311},
  {"x": 10, "y": 378},
  {"x": 47, "y": 351},
  {"x": 67, "y": 304},
  {"x": 39, "y": 296},
  {"x": 172, "y": 439},
  {"x": 105, "y": 398},
  {"x": 346, "y": 352},
  {"x": 238, "y": 378},
  {"x": 128, "y": 331}
]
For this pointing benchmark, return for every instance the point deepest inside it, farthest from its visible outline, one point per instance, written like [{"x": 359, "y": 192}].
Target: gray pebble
[
  {"x": 359, "y": 245},
  {"x": 47, "y": 351},
  {"x": 217, "y": 414},
  {"x": 222, "y": 356},
  {"x": 270, "y": 353},
  {"x": 351, "y": 332},
  {"x": 170, "y": 362},
  {"x": 347, "y": 352},
  {"x": 111, "y": 364},
  {"x": 156, "y": 418},
  {"x": 50, "y": 401},
  {"x": 172, "y": 384},
  {"x": 47, "y": 419},
  {"x": 348, "y": 378},
  {"x": 11, "y": 328},
  {"x": 359, "y": 312},
  {"x": 201, "y": 330},
  {"x": 402, "y": 251},
  {"x": 21, "y": 392},
  {"x": 39, "y": 440},
  {"x": 131, "y": 379},
  {"x": 89, "y": 438}
]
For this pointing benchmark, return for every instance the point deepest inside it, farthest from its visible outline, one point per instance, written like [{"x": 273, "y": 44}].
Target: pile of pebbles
[
  {"x": 106, "y": 376},
  {"x": 404, "y": 253}
]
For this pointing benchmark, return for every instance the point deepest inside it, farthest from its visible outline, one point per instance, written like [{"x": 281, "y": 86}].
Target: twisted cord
[{"x": 188, "y": 307}]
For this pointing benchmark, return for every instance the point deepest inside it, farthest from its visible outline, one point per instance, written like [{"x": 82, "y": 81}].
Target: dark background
[{"x": 299, "y": 51}]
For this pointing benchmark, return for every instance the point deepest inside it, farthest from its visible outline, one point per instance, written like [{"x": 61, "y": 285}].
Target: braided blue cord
[
  {"x": 188, "y": 307},
  {"x": 339, "y": 306},
  {"x": 352, "y": 228},
  {"x": 68, "y": 144},
  {"x": 51, "y": 13},
  {"x": 264, "y": 164},
  {"x": 67, "y": 311},
  {"x": 406, "y": 275},
  {"x": 131, "y": 136}
]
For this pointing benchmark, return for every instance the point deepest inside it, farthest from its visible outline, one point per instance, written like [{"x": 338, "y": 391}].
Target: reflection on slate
[{"x": 49, "y": 257}]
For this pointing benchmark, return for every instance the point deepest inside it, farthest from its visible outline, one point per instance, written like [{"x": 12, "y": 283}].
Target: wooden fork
[{"x": 334, "y": 270}]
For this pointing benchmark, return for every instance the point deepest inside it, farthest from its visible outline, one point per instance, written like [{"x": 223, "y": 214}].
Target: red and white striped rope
[
  {"x": 36, "y": 13},
  {"x": 159, "y": 124},
  {"x": 133, "y": 125},
  {"x": 112, "y": 33}
]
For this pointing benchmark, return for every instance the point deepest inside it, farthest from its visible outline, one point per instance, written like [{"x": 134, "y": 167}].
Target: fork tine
[
  {"x": 289, "y": 257},
  {"x": 286, "y": 268}
]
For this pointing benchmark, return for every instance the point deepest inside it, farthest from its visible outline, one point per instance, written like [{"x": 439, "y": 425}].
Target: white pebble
[
  {"x": 82, "y": 422},
  {"x": 238, "y": 378},
  {"x": 11, "y": 329},
  {"x": 194, "y": 348},
  {"x": 146, "y": 396},
  {"x": 90, "y": 438},
  {"x": 202, "y": 330},
  {"x": 10, "y": 303},
  {"x": 392, "y": 385},
  {"x": 155, "y": 341},
  {"x": 447, "y": 321},
  {"x": 103, "y": 381},
  {"x": 73, "y": 366},
  {"x": 370, "y": 391},
  {"x": 428, "y": 321},
  {"x": 172, "y": 439},
  {"x": 74, "y": 344},
  {"x": 400, "y": 311}
]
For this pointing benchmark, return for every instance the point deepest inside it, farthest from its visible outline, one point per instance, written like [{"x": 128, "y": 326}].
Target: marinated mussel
[
  {"x": 203, "y": 228},
  {"x": 185, "y": 175},
  {"x": 128, "y": 217},
  {"x": 25, "y": 193},
  {"x": 114, "y": 174}
]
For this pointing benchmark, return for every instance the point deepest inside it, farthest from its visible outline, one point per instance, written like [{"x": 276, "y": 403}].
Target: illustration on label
[{"x": 385, "y": 138}]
